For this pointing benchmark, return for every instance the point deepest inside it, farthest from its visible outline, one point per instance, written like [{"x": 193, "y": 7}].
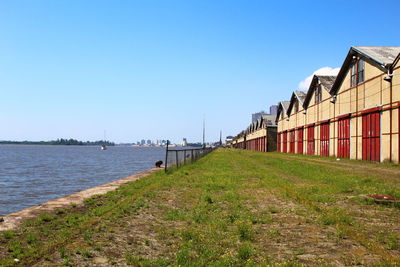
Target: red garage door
[
  {"x": 310, "y": 140},
  {"x": 300, "y": 141},
  {"x": 324, "y": 139},
  {"x": 292, "y": 141},
  {"x": 344, "y": 138},
  {"x": 371, "y": 136},
  {"x": 284, "y": 148},
  {"x": 279, "y": 142}
]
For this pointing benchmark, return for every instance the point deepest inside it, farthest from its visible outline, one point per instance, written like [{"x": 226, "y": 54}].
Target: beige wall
[{"x": 256, "y": 134}]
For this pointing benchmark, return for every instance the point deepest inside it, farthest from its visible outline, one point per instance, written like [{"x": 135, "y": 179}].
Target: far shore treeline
[{"x": 67, "y": 142}]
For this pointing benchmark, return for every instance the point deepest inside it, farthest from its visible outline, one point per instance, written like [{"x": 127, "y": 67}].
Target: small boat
[{"x": 103, "y": 146}]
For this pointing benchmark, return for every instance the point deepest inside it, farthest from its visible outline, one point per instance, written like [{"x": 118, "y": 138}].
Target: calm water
[{"x": 30, "y": 175}]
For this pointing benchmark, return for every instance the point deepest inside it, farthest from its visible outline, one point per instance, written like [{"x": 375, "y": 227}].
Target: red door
[
  {"x": 300, "y": 141},
  {"x": 292, "y": 141},
  {"x": 279, "y": 142},
  {"x": 371, "y": 136},
  {"x": 324, "y": 139},
  {"x": 310, "y": 140},
  {"x": 344, "y": 138},
  {"x": 284, "y": 142}
]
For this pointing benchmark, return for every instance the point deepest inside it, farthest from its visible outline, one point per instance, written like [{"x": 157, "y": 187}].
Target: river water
[{"x": 31, "y": 175}]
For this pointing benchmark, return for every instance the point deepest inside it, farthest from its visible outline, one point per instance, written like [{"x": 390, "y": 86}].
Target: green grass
[{"x": 230, "y": 208}]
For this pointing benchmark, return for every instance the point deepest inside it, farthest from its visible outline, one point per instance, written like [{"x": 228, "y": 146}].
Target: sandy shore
[{"x": 15, "y": 219}]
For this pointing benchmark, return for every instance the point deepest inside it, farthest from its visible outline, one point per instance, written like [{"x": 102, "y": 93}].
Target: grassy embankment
[{"x": 231, "y": 207}]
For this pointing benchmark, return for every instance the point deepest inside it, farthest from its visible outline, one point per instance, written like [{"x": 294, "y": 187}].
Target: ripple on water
[{"x": 31, "y": 175}]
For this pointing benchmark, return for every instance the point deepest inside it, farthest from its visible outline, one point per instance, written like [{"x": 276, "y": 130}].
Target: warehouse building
[
  {"x": 353, "y": 115},
  {"x": 259, "y": 136}
]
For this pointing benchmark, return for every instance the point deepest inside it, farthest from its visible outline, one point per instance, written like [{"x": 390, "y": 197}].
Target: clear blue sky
[{"x": 152, "y": 69}]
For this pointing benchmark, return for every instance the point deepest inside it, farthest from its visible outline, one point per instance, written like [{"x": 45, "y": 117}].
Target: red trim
[
  {"x": 309, "y": 125},
  {"x": 371, "y": 110},
  {"x": 323, "y": 122},
  {"x": 343, "y": 116}
]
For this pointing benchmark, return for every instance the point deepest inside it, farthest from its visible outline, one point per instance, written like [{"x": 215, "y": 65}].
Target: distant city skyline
[{"x": 155, "y": 69}]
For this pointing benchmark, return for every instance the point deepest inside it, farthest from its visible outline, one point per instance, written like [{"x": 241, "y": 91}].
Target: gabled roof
[
  {"x": 381, "y": 57},
  {"x": 269, "y": 119},
  {"x": 326, "y": 82},
  {"x": 282, "y": 106},
  {"x": 259, "y": 123},
  {"x": 296, "y": 96}
]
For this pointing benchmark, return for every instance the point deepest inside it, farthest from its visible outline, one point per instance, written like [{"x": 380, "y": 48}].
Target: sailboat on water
[{"x": 103, "y": 146}]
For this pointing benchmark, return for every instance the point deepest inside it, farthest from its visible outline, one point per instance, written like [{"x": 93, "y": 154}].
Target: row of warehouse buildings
[{"x": 352, "y": 115}]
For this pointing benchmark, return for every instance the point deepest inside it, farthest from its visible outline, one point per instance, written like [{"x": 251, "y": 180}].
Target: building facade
[
  {"x": 352, "y": 115},
  {"x": 259, "y": 136}
]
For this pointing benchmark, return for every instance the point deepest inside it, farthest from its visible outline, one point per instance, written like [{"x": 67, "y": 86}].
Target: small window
[
  {"x": 296, "y": 107},
  {"x": 360, "y": 71},
  {"x": 357, "y": 73},
  {"x": 282, "y": 115},
  {"x": 318, "y": 94},
  {"x": 353, "y": 73}
]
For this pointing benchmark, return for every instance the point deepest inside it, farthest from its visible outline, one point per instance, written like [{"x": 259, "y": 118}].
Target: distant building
[
  {"x": 273, "y": 110},
  {"x": 258, "y": 115},
  {"x": 184, "y": 142},
  {"x": 142, "y": 142}
]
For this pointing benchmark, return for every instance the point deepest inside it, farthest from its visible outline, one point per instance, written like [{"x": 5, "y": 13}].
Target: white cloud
[{"x": 303, "y": 85}]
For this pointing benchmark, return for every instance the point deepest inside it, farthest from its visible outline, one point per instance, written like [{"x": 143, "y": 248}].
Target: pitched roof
[
  {"x": 384, "y": 55},
  {"x": 285, "y": 104},
  {"x": 326, "y": 82},
  {"x": 282, "y": 106},
  {"x": 300, "y": 96},
  {"x": 381, "y": 57},
  {"x": 269, "y": 119}
]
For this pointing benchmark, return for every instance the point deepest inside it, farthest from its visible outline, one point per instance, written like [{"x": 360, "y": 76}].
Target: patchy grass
[{"x": 232, "y": 207}]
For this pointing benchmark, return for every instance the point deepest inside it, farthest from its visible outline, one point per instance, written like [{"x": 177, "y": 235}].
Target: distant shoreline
[{"x": 67, "y": 142}]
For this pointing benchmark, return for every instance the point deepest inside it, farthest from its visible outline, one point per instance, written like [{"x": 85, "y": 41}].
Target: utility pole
[
  {"x": 204, "y": 131},
  {"x": 220, "y": 138}
]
